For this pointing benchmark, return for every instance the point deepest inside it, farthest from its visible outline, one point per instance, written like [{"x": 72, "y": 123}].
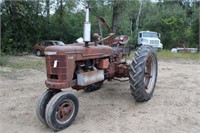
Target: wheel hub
[
  {"x": 149, "y": 74},
  {"x": 38, "y": 52},
  {"x": 65, "y": 111}
]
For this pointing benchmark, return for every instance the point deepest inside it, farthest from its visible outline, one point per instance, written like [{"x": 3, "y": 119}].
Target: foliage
[
  {"x": 3, "y": 60},
  {"x": 22, "y": 64},
  {"x": 30, "y": 64},
  {"x": 24, "y": 23},
  {"x": 166, "y": 54}
]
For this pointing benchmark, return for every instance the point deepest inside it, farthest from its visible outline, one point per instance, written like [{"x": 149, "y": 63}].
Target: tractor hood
[{"x": 80, "y": 49}]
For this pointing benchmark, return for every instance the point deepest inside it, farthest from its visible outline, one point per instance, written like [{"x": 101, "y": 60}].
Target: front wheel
[
  {"x": 61, "y": 110},
  {"x": 143, "y": 73},
  {"x": 42, "y": 103}
]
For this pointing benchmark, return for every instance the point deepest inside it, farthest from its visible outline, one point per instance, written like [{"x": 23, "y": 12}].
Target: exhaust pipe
[{"x": 87, "y": 28}]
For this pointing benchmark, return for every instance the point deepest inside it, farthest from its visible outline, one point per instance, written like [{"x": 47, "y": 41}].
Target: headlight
[{"x": 50, "y": 52}]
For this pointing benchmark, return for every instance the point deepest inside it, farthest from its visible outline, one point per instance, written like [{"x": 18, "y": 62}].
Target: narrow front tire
[
  {"x": 61, "y": 110},
  {"x": 42, "y": 103}
]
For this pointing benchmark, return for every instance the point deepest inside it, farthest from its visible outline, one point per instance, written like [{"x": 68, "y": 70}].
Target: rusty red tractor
[{"x": 86, "y": 66}]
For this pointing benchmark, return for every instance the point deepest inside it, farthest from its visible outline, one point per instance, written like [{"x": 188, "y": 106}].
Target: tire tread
[{"x": 136, "y": 74}]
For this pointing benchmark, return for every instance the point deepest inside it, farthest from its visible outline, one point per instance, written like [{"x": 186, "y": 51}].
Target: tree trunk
[
  {"x": 117, "y": 10},
  {"x": 199, "y": 44},
  {"x": 48, "y": 10},
  {"x": 131, "y": 25},
  {"x": 37, "y": 8},
  {"x": 37, "y": 20},
  {"x": 61, "y": 11},
  {"x": 138, "y": 16}
]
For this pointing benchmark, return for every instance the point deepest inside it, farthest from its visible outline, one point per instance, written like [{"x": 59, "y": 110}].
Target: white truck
[{"x": 149, "y": 38}]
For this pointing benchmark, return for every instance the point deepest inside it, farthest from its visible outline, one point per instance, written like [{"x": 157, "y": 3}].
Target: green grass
[
  {"x": 3, "y": 60},
  {"x": 167, "y": 54},
  {"x": 23, "y": 64},
  {"x": 40, "y": 64}
]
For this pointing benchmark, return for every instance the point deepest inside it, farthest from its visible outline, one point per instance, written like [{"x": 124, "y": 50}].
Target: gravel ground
[{"x": 174, "y": 108}]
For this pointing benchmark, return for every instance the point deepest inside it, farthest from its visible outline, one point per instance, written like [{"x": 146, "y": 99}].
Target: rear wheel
[
  {"x": 61, "y": 110},
  {"x": 143, "y": 73},
  {"x": 38, "y": 52},
  {"x": 42, "y": 103}
]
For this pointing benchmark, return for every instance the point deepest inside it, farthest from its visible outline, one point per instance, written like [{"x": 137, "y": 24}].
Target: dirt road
[{"x": 174, "y": 108}]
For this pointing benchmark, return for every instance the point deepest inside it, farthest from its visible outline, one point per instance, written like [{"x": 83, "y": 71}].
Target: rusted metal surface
[
  {"x": 149, "y": 73},
  {"x": 82, "y": 53},
  {"x": 56, "y": 67},
  {"x": 55, "y": 85},
  {"x": 59, "y": 75},
  {"x": 103, "y": 64},
  {"x": 87, "y": 78},
  {"x": 110, "y": 73},
  {"x": 65, "y": 111},
  {"x": 122, "y": 70},
  {"x": 78, "y": 87}
]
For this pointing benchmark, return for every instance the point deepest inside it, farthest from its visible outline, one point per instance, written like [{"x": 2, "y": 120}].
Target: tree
[
  {"x": 48, "y": 9},
  {"x": 195, "y": 27},
  {"x": 138, "y": 16},
  {"x": 26, "y": 22},
  {"x": 118, "y": 7},
  {"x": 17, "y": 30}
]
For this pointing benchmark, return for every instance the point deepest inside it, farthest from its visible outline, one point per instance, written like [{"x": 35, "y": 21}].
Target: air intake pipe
[{"x": 87, "y": 28}]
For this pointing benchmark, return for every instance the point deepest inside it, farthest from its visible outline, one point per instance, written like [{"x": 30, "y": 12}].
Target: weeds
[
  {"x": 39, "y": 64},
  {"x": 166, "y": 54},
  {"x": 3, "y": 60},
  {"x": 24, "y": 63}
]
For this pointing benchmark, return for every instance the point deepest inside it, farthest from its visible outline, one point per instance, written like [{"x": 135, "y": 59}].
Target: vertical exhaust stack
[{"x": 87, "y": 28}]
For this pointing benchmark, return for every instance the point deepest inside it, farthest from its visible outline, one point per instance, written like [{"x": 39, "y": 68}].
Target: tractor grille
[
  {"x": 154, "y": 41},
  {"x": 56, "y": 67}
]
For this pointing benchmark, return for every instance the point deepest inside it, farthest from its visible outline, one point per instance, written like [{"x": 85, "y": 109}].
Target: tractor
[{"x": 85, "y": 66}]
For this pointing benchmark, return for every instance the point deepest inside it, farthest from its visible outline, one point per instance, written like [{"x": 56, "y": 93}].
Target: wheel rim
[
  {"x": 38, "y": 53},
  {"x": 150, "y": 73},
  {"x": 65, "y": 111}
]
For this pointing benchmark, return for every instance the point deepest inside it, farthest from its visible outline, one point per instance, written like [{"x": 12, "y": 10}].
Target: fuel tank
[{"x": 80, "y": 52}]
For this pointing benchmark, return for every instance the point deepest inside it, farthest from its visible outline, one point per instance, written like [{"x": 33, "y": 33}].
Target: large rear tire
[
  {"x": 143, "y": 73},
  {"x": 61, "y": 110}
]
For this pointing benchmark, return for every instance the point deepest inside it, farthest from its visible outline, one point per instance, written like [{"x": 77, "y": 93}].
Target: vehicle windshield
[
  {"x": 150, "y": 34},
  {"x": 59, "y": 43}
]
